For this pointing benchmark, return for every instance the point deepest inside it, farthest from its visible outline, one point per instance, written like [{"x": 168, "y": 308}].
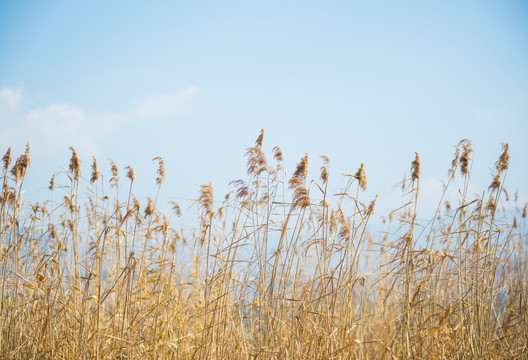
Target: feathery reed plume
[
  {"x": 52, "y": 182},
  {"x": 324, "y": 169},
  {"x": 506, "y": 194},
  {"x": 370, "y": 209},
  {"x": 206, "y": 202},
  {"x": 277, "y": 154},
  {"x": 176, "y": 208},
  {"x": 242, "y": 190},
  {"x": 415, "y": 167},
  {"x": 95, "y": 171},
  {"x": 447, "y": 206},
  {"x": 137, "y": 204},
  {"x": 149, "y": 210},
  {"x": 299, "y": 176},
  {"x": 204, "y": 225},
  {"x": 491, "y": 205},
  {"x": 301, "y": 197},
  {"x": 161, "y": 170},
  {"x": 515, "y": 225},
  {"x": 501, "y": 165},
  {"x": 361, "y": 177},
  {"x": 256, "y": 163},
  {"x": 75, "y": 165},
  {"x": 324, "y": 174},
  {"x": 525, "y": 211},
  {"x": 495, "y": 183},
  {"x": 260, "y": 139},
  {"x": 6, "y": 159},
  {"x": 454, "y": 163},
  {"x": 21, "y": 164},
  {"x": 344, "y": 231},
  {"x": 114, "y": 180},
  {"x": 504, "y": 160},
  {"x": 131, "y": 175},
  {"x": 206, "y": 198},
  {"x": 333, "y": 221},
  {"x": 464, "y": 159}
]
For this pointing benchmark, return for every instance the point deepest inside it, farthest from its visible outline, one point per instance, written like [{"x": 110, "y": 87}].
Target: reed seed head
[
  {"x": 6, "y": 159},
  {"x": 256, "y": 163},
  {"x": 333, "y": 222},
  {"x": 277, "y": 154},
  {"x": 415, "y": 167},
  {"x": 454, "y": 163},
  {"x": 204, "y": 225},
  {"x": 301, "y": 197},
  {"x": 114, "y": 180},
  {"x": 491, "y": 205},
  {"x": 324, "y": 168},
  {"x": 131, "y": 175},
  {"x": 324, "y": 174},
  {"x": 344, "y": 231},
  {"x": 136, "y": 203},
  {"x": 299, "y": 176},
  {"x": 176, "y": 208},
  {"x": 465, "y": 158},
  {"x": 504, "y": 160},
  {"x": 242, "y": 192},
  {"x": 506, "y": 194},
  {"x": 260, "y": 139},
  {"x": 361, "y": 177},
  {"x": 75, "y": 165},
  {"x": 495, "y": 183},
  {"x": 206, "y": 199},
  {"x": 21, "y": 165},
  {"x": 149, "y": 210},
  {"x": 370, "y": 209},
  {"x": 161, "y": 170},
  {"x": 95, "y": 171},
  {"x": 52, "y": 182}
]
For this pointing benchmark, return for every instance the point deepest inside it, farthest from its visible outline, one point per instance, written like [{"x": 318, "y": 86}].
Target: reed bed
[{"x": 280, "y": 268}]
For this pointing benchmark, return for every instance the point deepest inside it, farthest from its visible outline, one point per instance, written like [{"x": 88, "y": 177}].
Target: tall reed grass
[{"x": 281, "y": 268}]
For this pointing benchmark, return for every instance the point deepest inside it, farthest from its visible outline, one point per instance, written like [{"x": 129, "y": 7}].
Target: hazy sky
[{"x": 195, "y": 81}]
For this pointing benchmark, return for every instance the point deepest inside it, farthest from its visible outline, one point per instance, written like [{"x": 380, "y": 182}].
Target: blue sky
[{"x": 194, "y": 82}]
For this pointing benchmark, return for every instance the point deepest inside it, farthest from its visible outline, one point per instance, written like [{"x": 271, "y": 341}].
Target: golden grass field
[{"x": 281, "y": 268}]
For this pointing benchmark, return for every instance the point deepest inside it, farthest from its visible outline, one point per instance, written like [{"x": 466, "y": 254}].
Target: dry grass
[{"x": 280, "y": 269}]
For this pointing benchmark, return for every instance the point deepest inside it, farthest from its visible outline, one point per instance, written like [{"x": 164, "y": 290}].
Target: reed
[{"x": 281, "y": 268}]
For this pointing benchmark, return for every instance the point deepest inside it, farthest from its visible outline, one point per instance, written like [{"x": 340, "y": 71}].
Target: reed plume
[
  {"x": 361, "y": 177},
  {"x": 465, "y": 158},
  {"x": 75, "y": 165},
  {"x": 95, "y": 171},
  {"x": 6, "y": 159},
  {"x": 415, "y": 167},
  {"x": 161, "y": 170}
]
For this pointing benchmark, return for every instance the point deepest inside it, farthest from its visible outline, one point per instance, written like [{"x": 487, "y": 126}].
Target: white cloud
[
  {"x": 58, "y": 126},
  {"x": 10, "y": 97},
  {"x": 165, "y": 105},
  {"x": 55, "y": 127}
]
